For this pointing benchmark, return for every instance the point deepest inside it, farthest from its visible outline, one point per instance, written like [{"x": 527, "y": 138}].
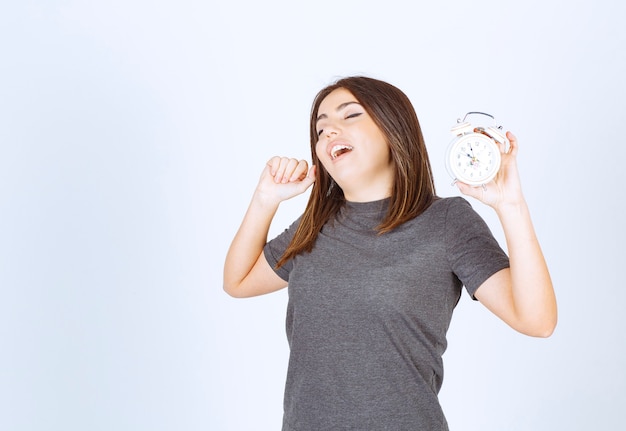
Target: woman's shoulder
[
  {"x": 439, "y": 211},
  {"x": 445, "y": 204}
]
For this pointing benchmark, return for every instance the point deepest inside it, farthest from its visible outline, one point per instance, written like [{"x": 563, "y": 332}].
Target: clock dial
[{"x": 474, "y": 159}]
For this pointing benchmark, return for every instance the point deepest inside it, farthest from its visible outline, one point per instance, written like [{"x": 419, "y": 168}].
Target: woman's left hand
[
  {"x": 505, "y": 188},
  {"x": 521, "y": 295}
]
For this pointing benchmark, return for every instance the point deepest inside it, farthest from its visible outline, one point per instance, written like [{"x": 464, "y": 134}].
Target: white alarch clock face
[{"x": 473, "y": 159}]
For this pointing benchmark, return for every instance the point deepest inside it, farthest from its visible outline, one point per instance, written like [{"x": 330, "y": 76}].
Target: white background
[{"x": 132, "y": 134}]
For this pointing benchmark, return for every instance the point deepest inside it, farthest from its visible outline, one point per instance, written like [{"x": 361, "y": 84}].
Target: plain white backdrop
[{"x": 132, "y": 134}]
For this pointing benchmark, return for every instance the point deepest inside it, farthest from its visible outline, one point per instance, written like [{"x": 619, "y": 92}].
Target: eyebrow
[{"x": 339, "y": 108}]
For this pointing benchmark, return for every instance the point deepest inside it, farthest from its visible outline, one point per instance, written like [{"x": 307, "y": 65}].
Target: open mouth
[{"x": 338, "y": 150}]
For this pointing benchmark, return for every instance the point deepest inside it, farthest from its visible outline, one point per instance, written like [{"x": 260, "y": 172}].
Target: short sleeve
[
  {"x": 473, "y": 252},
  {"x": 275, "y": 248}
]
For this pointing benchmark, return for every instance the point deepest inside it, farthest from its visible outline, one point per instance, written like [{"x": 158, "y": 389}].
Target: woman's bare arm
[
  {"x": 246, "y": 271},
  {"x": 522, "y": 295}
]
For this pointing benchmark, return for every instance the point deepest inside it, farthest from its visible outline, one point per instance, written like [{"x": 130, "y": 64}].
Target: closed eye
[{"x": 356, "y": 114}]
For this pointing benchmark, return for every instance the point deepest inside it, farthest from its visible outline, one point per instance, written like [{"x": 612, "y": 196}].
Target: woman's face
[{"x": 353, "y": 149}]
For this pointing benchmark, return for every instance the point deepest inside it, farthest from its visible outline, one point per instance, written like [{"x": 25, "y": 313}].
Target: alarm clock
[{"x": 473, "y": 156}]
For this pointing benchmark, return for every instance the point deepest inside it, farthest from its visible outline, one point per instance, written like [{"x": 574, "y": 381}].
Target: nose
[{"x": 330, "y": 131}]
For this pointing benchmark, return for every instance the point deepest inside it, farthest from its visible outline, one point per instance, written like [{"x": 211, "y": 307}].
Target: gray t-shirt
[{"x": 368, "y": 314}]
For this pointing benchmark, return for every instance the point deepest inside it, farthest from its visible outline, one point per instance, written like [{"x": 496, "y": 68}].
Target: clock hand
[
  {"x": 472, "y": 150},
  {"x": 472, "y": 156}
]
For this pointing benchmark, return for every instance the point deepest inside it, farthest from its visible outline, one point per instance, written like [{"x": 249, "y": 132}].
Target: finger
[
  {"x": 290, "y": 168},
  {"x": 474, "y": 192},
  {"x": 273, "y": 165},
  {"x": 284, "y": 169},
  {"x": 300, "y": 171},
  {"x": 513, "y": 146},
  {"x": 309, "y": 179},
  {"x": 275, "y": 169},
  {"x": 280, "y": 170}
]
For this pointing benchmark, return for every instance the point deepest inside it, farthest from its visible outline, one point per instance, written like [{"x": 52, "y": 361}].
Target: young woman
[{"x": 376, "y": 263}]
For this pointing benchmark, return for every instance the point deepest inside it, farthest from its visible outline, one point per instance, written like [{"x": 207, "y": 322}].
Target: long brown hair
[{"x": 413, "y": 187}]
